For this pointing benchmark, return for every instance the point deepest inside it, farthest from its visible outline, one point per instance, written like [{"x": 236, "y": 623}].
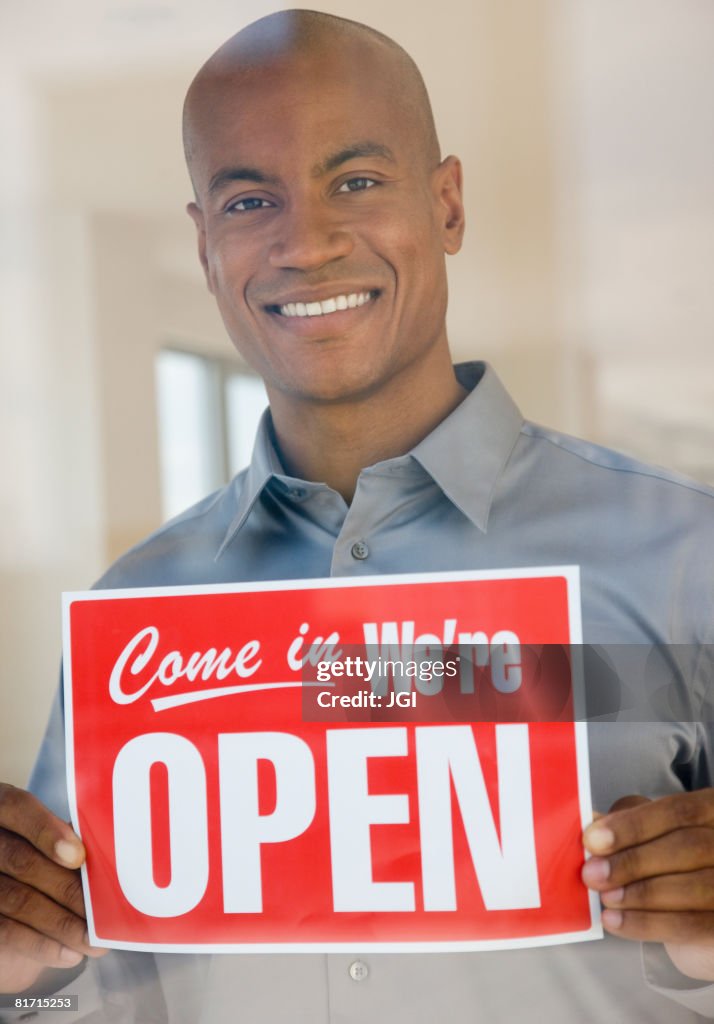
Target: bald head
[
  {"x": 323, "y": 210},
  {"x": 301, "y": 43}
]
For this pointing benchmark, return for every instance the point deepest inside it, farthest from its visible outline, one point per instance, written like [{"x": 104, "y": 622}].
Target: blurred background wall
[{"x": 585, "y": 127}]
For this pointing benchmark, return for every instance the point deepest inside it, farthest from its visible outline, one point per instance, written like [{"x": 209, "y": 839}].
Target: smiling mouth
[{"x": 335, "y": 304}]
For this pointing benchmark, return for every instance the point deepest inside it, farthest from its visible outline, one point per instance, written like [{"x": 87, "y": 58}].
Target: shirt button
[
  {"x": 359, "y": 550},
  {"x": 358, "y": 971}
]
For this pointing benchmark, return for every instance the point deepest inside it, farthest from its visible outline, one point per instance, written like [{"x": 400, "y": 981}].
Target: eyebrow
[
  {"x": 230, "y": 174},
  {"x": 367, "y": 148},
  {"x": 357, "y": 149}
]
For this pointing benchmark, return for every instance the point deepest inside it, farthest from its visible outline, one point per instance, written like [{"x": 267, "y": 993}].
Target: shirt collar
[
  {"x": 264, "y": 465},
  {"x": 465, "y": 454}
]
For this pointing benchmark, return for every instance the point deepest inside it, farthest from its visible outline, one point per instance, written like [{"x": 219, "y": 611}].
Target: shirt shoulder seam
[
  {"x": 184, "y": 517},
  {"x": 632, "y": 465}
]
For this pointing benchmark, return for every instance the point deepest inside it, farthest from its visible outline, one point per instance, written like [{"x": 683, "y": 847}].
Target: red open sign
[{"x": 216, "y": 817}]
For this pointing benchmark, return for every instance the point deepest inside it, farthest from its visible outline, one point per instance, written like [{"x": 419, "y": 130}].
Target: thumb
[{"x": 625, "y": 802}]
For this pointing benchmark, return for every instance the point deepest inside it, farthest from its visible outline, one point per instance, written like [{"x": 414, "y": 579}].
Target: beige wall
[{"x": 585, "y": 276}]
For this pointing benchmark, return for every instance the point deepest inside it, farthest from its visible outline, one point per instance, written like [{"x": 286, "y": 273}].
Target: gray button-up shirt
[{"x": 484, "y": 490}]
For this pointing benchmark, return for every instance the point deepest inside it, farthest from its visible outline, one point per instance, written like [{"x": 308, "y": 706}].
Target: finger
[
  {"x": 686, "y": 850},
  {"x": 621, "y": 804},
  {"x": 27, "y": 906},
  {"x": 622, "y": 828},
  {"x": 22, "y": 813},
  {"x": 688, "y": 927},
  {"x": 17, "y": 939},
  {"x": 18, "y": 972},
  {"x": 625, "y": 802},
  {"x": 693, "y": 890},
  {"x": 20, "y": 860}
]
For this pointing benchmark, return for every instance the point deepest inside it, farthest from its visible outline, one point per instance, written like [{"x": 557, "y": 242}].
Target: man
[{"x": 323, "y": 212}]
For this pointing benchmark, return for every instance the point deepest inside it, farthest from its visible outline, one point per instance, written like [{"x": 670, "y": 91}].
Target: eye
[
  {"x": 247, "y": 205},
  {"x": 357, "y": 185}
]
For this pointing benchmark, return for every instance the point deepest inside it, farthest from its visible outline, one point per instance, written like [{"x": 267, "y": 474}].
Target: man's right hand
[{"x": 42, "y": 918}]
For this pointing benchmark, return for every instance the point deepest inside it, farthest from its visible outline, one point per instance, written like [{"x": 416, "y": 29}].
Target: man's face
[{"x": 322, "y": 229}]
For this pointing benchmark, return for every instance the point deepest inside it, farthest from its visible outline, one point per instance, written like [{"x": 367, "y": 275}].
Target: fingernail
[
  {"x": 596, "y": 870},
  {"x": 612, "y": 918},
  {"x": 598, "y": 839},
  {"x": 69, "y": 956},
  {"x": 614, "y": 895},
  {"x": 69, "y": 853}
]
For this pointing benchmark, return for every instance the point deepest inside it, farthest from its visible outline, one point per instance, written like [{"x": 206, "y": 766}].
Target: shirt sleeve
[
  {"x": 80, "y": 984},
  {"x": 121, "y": 988},
  {"x": 48, "y": 779},
  {"x": 661, "y": 975}
]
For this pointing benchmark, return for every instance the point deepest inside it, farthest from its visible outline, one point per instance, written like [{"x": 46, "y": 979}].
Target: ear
[
  {"x": 196, "y": 214},
  {"x": 447, "y": 184}
]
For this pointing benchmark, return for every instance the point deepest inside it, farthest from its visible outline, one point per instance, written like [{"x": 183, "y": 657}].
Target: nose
[{"x": 308, "y": 239}]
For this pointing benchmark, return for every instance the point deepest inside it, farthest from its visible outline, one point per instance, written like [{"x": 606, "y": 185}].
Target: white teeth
[{"x": 327, "y": 306}]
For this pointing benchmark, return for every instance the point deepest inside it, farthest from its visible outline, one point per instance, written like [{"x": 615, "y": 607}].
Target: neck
[{"x": 332, "y": 442}]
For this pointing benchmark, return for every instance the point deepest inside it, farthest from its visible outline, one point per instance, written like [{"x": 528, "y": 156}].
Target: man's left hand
[{"x": 653, "y": 866}]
